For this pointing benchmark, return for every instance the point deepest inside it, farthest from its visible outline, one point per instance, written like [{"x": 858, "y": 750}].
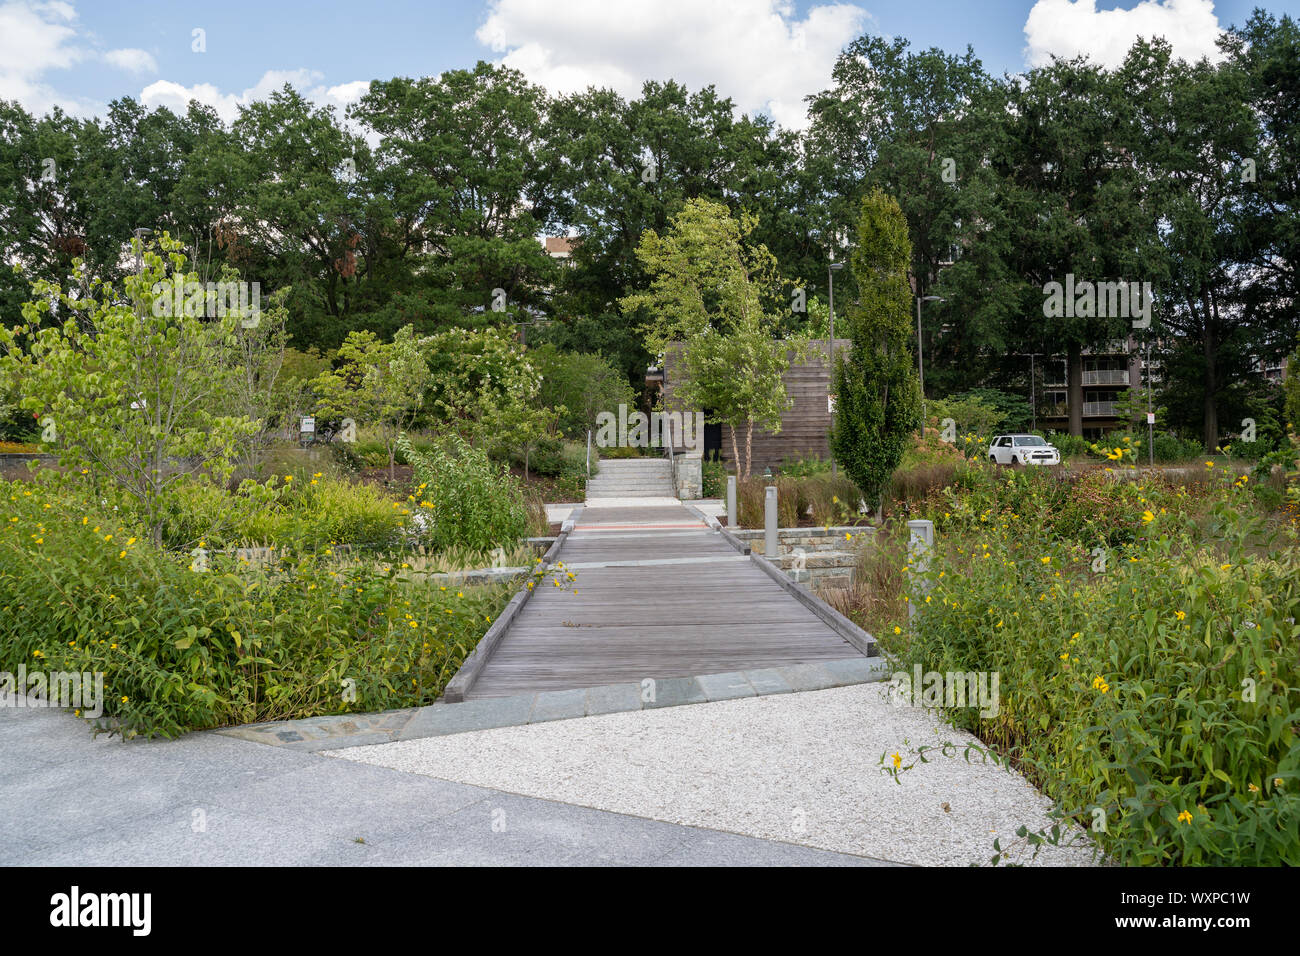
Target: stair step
[{"x": 629, "y": 485}]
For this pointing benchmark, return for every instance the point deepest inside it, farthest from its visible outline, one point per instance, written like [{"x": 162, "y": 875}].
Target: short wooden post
[
  {"x": 770, "y": 548},
  {"x": 920, "y": 544},
  {"x": 731, "y": 501}
]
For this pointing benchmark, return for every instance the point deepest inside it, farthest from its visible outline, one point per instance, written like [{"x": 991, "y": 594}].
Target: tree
[
  {"x": 738, "y": 379},
  {"x": 919, "y": 126},
  {"x": 127, "y": 391},
  {"x": 256, "y": 356},
  {"x": 1291, "y": 387},
  {"x": 706, "y": 295},
  {"x": 622, "y": 167},
  {"x": 460, "y": 176},
  {"x": 1267, "y": 50},
  {"x": 485, "y": 388},
  {"x": 1193, "y": 130},
  {"x": 878, "y": 394},
  {"x": 378, "y": 383},
  {"x": 296, "y": 175},
  {"x": 580, "y": 386}
]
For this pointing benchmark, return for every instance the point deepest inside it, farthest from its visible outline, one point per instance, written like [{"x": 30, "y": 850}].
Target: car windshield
[{"x": 1030, "y": 440}]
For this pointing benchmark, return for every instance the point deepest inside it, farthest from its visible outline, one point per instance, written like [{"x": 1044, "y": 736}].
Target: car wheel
[
  {"x": 1015, "y": 462},
  {"x": 993, "y": 458}
]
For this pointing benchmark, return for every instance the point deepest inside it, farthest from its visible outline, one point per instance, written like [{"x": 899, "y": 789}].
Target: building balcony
[
  {"x": 1090, "y": 410},
  {"x": 1110, "y": 376}
]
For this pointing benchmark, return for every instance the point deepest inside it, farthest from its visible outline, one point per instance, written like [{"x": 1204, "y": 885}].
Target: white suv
[{"x": 1022, "y": 450}]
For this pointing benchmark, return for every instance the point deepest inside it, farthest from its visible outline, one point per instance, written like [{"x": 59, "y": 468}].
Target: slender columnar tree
[{"x": 878, "y": 393}]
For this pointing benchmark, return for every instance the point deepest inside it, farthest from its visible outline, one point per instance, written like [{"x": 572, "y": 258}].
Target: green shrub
[
  {"x": 554, "y": 458},
  {"x": 627, "y": 451},
  {"x": 713, "y": 477},
  {"x": 1157, "y": 691},
  {"x": 1170, "y": 448},
  {"x": 583, "y": 385},
  {"x": 1070, "y": 446},
  {"x": 805, "y": 467},
  {"x": 464, "y": 499},
  {"x": 970, "y": 416},
  {"x": 183, "y": 648},
  {"x": 304, "y": 513}
]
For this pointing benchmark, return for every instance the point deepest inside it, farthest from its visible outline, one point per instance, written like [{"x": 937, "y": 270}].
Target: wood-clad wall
[{"x": 805, "y": 427}]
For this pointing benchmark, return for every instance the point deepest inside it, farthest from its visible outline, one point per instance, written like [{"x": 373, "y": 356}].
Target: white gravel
[{"x": 802, "y": 768}]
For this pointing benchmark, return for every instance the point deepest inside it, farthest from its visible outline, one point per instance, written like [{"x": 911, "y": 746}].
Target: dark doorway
[{"x": 712, "y": 439}]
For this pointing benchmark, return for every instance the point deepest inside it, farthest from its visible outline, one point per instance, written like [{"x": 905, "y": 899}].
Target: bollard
[
  {"x": 731, "y": 501},
  {"x": 920, "y": 544},
  {"x": 770, "y": 548}
]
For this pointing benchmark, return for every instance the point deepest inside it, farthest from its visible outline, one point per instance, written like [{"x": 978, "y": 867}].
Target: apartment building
[{"x": 1108, "y": 371}]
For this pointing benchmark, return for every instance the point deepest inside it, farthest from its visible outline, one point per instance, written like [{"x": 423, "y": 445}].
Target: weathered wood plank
[{"x": 631, "y": 623}]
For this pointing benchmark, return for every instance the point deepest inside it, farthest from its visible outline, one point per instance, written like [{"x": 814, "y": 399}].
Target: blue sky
[{"x": 766, "y": 54}]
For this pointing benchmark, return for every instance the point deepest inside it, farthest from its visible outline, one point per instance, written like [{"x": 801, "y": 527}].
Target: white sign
[
  {"x": 308, "y": 424},
  {"x": 1151, "y": 418}
]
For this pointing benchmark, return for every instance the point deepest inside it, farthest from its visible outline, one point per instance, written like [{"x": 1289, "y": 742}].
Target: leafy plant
[
  {"x": 127, "y": 389},
  {"x": 187, "y": 641},
  {"x": 463, "y": 499},
  {"x": 379, "y": 383}
]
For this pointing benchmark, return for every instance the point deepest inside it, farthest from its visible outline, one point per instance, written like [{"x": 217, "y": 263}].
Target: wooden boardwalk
[{"x": 658, "y": 595}]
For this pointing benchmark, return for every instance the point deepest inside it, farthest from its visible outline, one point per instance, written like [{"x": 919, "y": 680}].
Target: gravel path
[{"x": 802, "y": 768}]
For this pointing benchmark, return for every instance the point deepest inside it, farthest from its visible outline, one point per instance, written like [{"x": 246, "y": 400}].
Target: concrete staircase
[{"x": 632, "y": 478}]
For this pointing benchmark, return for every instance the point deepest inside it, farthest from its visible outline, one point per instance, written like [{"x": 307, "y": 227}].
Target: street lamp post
[
  {"x": 1151, "y": 427},
  {"x": 140, "y": 233},
  {"x": 920, "y": 358},
  {"x": 830, "y": 349},
  {"x": 830, "y": 283}
]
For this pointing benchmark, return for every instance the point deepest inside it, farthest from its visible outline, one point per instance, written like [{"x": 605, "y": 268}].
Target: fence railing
[
  {"x": 1105, "y": 376},
  {"x": 1098, "y": 409}
]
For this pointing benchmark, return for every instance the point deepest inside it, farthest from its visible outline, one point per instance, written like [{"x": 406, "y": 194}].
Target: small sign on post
[{"x": 1151, "y": 418}]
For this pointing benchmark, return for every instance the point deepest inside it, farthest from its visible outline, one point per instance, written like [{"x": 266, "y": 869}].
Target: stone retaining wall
[
  {"x": 14, "y": 464},
  {"x": 828, "y": 558}
]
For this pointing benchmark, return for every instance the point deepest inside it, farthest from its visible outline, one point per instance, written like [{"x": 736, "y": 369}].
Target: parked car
[{"x": 1022, "y": 450}]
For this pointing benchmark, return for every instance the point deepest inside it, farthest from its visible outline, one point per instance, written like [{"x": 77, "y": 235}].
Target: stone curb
[
  {"x": 485, "y": 713},
  {"x": 833, "y": 619}
]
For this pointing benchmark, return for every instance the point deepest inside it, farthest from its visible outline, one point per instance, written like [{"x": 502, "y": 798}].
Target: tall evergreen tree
[{"x": 877, "y": 390}]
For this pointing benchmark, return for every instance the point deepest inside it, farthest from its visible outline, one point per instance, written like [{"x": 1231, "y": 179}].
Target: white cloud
[
  {"x": 753, "y": 51},
  {"x": 346, "y": 93},
  {"x": 132, "y": 60},
  {"x": 40, "y": 36},
  {"x": 1068, "y": 28},
  {"x": 36, "y": 38},
  {"x": 176, "y": 97}
]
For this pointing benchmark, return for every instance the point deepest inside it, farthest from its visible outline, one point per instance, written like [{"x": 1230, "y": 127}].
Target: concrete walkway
[
  {"x": 208, "y": 800},
  {"x": 802, "y": 767}
]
